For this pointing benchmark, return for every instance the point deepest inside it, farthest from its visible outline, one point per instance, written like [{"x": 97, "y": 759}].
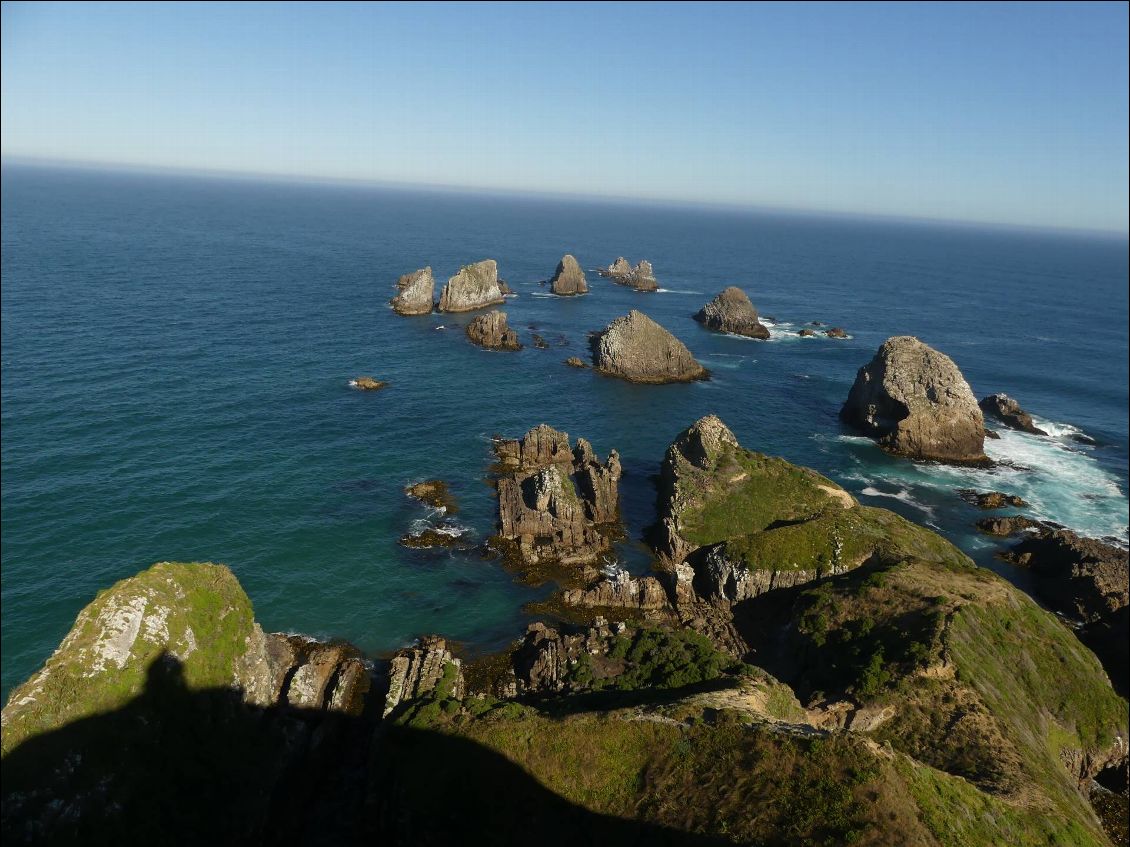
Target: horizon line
[{"x": 465, "y": 188}]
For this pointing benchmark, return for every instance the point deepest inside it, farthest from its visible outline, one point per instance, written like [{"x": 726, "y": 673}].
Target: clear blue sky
[{"x": 1011, "y": 113}]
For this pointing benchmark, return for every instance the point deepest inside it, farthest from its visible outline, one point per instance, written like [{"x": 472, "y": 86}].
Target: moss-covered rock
[{"x": 195, "y": 613}]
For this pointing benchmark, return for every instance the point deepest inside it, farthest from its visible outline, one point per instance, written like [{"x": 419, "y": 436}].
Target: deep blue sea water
[{"x": 176, "y": 353}]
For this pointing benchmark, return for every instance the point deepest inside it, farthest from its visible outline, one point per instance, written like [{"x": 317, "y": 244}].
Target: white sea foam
[
  {"x": 903, "y": 495},
  {"x": 675, "y": 291},
  {"x": 1061, "y": 481}
]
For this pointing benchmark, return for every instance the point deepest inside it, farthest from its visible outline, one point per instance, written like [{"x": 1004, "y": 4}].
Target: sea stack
[
  {"x": 641, "y": 277},
  {"x": 416, "y": 293},
  {"x": 1008, "y": 411},
  {"x": 474, "y": 287},
  {"x": 636, "y": 348},
  {"x": 568, "y": 279},
  {"x": 492, "y": 332},
  {"x": 914, "y": 402},
  {"x": 731, "y": 311}
]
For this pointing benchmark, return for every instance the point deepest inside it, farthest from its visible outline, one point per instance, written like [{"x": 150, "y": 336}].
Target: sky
[{"x": 1012, "y": 113}]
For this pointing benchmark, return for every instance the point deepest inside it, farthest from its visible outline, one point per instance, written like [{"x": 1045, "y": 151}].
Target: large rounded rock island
[
  {"x": 636, "y": 348},
  {"x": 914, "y": 402}
]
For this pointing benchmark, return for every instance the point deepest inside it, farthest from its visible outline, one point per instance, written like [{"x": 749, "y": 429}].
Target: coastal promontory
[
  {"x": 731, "y": 311},
  {"x": 914, "y": 401},
  {"x": 474, "y": 287},
  {"x": 636, "y": 348}
]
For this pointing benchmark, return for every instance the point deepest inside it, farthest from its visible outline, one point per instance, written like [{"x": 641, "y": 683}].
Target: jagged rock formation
[
  {"x": 807, "y": 333},
  {"x": 990, "y": 499},
  {"x": 1002, "y": 527},
  {"x": 1008, "y": 411},
  {"x": 545, "y": 658},
  {"x": 556, "y": 503},
  {"x": 619, "y": 590},
  {"x": 416, "y": 671},
  {"x": 914, "y": 401},
  {"x": 492, "y": 332},
  {"x": 303, "y": 673},
  {"x": 641, "y": 277},
  {"x": 505, "y": 289},
  {"x": 576, "y": 362},
  {"x": 367, "y": 383},
  {"x": 474, "y": 287},
  {"x": 731, "y": 311},
  {"x": 636, "y": 348},
  {"x": 539, "y": 341},
  {"x": 1081, "y": 577},
  {"x": 568, "y": 279},
  {"x": 835, "y": 332},
  {"x": 416, "y": 293}
]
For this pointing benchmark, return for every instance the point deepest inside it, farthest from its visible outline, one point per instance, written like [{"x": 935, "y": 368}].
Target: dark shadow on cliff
[{"x": 175, "y": 766}]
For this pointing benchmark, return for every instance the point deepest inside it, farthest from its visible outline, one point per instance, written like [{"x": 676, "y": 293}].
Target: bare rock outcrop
[
  {"x": 492, "y": 332},
  {"x": 620, "y": 590},
  {"x": 636, "y": 348},
  {"x": 990, "y": 499},
  {"x": 731, "y": 311},
  {"x": 576, "y": 362},
  {"x": 1002, "y": 527},
  {"x": 568, "y": 279},
  {"x": 641, "y": 277},
  {"x": 555, "y": 503},
  {"x": 416, "y": 671},
  {"x": 914, "y": 402},
  {"x": 1008, "y": 411},
  {"x": 474, "y": 287},
  {"x": 304, "y": 673},
  {"x": 415, "y": 293}
]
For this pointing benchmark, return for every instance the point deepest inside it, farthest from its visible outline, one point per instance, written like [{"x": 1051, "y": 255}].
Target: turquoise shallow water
[{"x": 176, "y": 353}]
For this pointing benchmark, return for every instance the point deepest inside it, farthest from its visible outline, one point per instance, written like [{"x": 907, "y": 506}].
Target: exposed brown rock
[
  {"x": 301, "y": 672},
  {"x": 641, "y": 277},
  {"x": 415, "y": 293},
  {"x": 367, "y": 383},
  {"x": 990, "y": 499},
  {"x": 1008, "y": 411},
  {"x": 914, "y": 401},
  {"x": 492, "y": 332},
  {"x": 568, "y": 279},
  {"x": 435, "y": 493},
  {"x": 731, "y": 311},
  {"x": 474, "y": 287},
  {"x": 415, "y": 672},
  {"x": 807, "y": 333},
  {"x": 575, "y": 362},
  {"x": 543, "y": 659},
  {"x": 836, "y": 332},
  {"x": 540, "y": 342},
  {"x": 636, "y": 348},
  {"x": 556, "y": 504},
  {"x": 1002, "y": 527}
]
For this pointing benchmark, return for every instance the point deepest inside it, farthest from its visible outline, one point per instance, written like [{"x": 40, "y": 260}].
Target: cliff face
[
  {"x": 914, "y": 401},
  {"x": 474, "y": 287},
  {"x": 637, "y": 349}
]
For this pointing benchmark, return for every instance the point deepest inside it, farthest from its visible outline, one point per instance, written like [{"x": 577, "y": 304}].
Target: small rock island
[
  {"x": 415, "y": 293},
  {"x": 492, "y": 332},
  {"x": 731, "y": 311},
  {"x": 641, "y": 277},
  {"x": 636, "y": 348},
  {"x": 474, "y": 287},
  {"x": 568, "y": 279}
]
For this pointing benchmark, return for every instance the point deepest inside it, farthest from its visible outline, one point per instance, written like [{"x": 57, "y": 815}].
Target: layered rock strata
[
  {"x": 914, "y": 402},
  {"x": 556, "y": 503}
]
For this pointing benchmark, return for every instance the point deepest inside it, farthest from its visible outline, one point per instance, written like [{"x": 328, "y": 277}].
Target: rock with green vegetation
[
  {"x": 915, "y": 402},
  {"x": 637, "y": 349},
  {"x": 474, "y": 287},
  {"x": 415, "y": 293},
  {"x": 556, "y": 503},
  {"x": 568, "y": 279},
  {"x": 418, "y": 672},
  {"x": 731, "y": 311},
  {"x": 166, "y": 688}
]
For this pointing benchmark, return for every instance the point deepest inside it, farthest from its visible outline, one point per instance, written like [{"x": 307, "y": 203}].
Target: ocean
[{"x": 176, "y": 352}]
